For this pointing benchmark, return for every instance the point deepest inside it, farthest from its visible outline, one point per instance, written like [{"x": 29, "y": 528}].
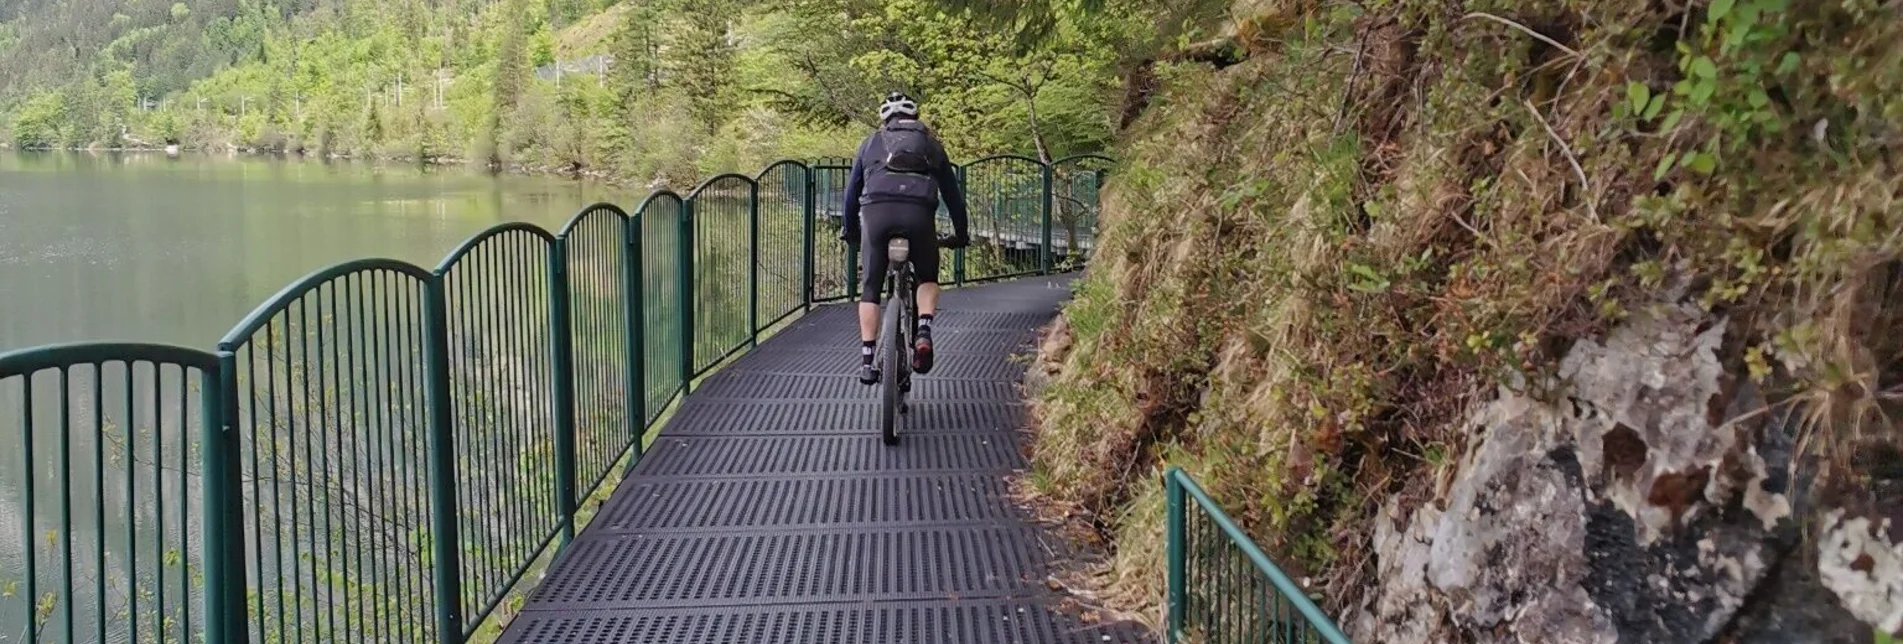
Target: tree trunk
[{"x": 1037, "y": 134}]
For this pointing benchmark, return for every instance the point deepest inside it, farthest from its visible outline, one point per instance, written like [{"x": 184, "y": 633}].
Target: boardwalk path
[{"x": 769, "y": 511}]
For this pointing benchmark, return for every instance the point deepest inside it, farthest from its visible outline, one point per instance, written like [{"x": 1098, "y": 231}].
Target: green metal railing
[
  {"x": 381, "y": 451},
  {"x": 1222, "y": 588}
]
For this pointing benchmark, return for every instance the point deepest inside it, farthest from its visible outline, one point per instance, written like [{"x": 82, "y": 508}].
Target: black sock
[
  {"x": 924, "y": 322},
  {"x": 866, "y": 350}
]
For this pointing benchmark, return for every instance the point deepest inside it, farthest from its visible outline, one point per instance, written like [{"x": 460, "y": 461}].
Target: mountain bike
[{"x": 898, "y": 328}]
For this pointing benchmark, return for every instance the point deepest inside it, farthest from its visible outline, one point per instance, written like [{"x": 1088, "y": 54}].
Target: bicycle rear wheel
[{"x": 891, "y": 355}]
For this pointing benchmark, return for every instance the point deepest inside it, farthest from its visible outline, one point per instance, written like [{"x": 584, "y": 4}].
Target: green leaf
[
  {"x": 1758, "y": 98},
  {"x": 1665, "y": 165},
  {"x": 1702, "y": 67},
  {"x": 1652, "y": 109},
  {"x": 1637, "y": 94},
  {"x": 1788, "y": 63},
  {"x": 1719, "y": 9},
  {"x": 1370, "y": 282},
  {"x": 1702, "y": 162},
  {"x": 1671, "y": 120},
  {"x": 1702, "y": 91}
]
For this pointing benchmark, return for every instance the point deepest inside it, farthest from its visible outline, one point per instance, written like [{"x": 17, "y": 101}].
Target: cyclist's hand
[
  {"x": 954, "y": 241},
  {"x": 851, "y": 237}
]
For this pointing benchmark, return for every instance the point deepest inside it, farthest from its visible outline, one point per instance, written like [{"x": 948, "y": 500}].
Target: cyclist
[{"x": 898, "y": 177}]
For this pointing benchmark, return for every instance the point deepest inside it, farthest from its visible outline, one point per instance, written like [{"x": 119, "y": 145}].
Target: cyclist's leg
[
  {"x": 925, "y": 264},
  {"x": 875, "y": 228},
  {"x": 921, "y": 231}
]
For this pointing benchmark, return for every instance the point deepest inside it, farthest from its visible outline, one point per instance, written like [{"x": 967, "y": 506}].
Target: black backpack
[{"x": 905, "y": 172}]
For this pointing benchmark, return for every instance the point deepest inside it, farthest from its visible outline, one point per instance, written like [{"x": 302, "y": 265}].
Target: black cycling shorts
[{"x": 881, "y": 222}]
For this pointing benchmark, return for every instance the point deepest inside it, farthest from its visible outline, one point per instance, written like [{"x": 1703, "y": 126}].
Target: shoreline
[{"x": 437, "y": 161}]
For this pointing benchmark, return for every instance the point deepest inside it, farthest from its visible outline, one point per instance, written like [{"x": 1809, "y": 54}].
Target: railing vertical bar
[
  {"x": 99, "y": 485},
  {"x": 158, "y": 488},
  {"x": 277, "y": 457},
  {"x": 510, "y": 325},
  {"x": 354, "y": 454},
  {"x": 130, "y": 427},
  {"x": 517, "y": 316},
  {"x": 370, "y": 588},
  {"x": 958, "y": 256},
  {"x": 444, "y": 551},
  {"x": 491, "y": 423},
  {"x": 686, "y": 250},
  {"x": 1044, "y": 250},
  {"x": 497, "y": 425},
  {"x": 808, "y": 226},
  {"x": 415, "y": 382},
  {"x": 28, "y": 499},
  {"x": 224, "y": 572},
  {"x": 398, "y": 426},
  {"x": 326, "y": 409},
  {"x": 635, "y": 396},
  {"x": 306, "y": 416},
  {"x": 250, "y": 354},
  {"x": 66, "y": 500},
  {"x": 375, "y": 316},
  {"x": 753, "y": 279},
  {"x": 1173, "y": 491},
  {"x": 529, "y": 433},
  {"x": 475, "y": 322},
  {"x": 564, "y": 376}
]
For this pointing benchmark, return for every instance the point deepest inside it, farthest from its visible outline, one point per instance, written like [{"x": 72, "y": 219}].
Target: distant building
[{"x": 595, "y": 65}]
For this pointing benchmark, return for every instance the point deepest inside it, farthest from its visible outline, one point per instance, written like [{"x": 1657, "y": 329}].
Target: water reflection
[{"x": 146, "y": 247}]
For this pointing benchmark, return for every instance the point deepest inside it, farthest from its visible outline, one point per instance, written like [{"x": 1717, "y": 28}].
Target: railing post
[
  {"x": 633, "y": 273},
  {"x": 562, "y": 345},
  {"x": 1173, "y": 486},
  {"x": 445, "y": 544},
  {"x": 1045, "y": 265},
  {"x": 808, "y": 214},
  {"x": 958, "y": 258},
  {"x": 687, "y": 295},
  {"x": 223, "y": 545},
  {"x": 753, "y": 278}
]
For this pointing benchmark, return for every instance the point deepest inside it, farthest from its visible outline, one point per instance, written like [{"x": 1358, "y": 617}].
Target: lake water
[
  {"x": 150, "y": 248},
  {"x": 143, "y": 247}
]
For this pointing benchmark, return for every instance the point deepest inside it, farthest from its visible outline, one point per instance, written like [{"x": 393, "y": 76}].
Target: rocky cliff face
[
  {"x": 1658, "y": 502},
  {"x": 1675, "y": 228}
]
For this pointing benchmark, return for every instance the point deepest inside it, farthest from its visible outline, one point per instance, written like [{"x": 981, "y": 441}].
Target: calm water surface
[{"x": 145, "y": 247}]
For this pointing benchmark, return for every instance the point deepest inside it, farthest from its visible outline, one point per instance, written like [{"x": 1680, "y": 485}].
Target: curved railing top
[
  {"x": 581, "y": 215},
  {"x": 657, "y": 196},
  {"x": 262, "y": 314},
  {"x": 709, "y": 183},
  {"x": 1003, "y": 157},
  {"x": 1082, "y": 157},
  {"x": 777, "y": 165},
  {"x": 449, "y": 261},
  {"x": 24, "y": 362}
]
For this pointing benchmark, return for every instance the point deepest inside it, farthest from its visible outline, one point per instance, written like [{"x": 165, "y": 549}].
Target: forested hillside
[{"x": 661, "y": 89}]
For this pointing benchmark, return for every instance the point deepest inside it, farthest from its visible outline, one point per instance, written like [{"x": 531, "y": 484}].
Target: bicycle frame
[{"x": 898, "y": 326}]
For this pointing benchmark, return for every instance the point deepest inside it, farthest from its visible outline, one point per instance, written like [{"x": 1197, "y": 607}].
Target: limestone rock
[
  {"x": 1652, "y": 504},
  {"x": 1861, "y": 560}
]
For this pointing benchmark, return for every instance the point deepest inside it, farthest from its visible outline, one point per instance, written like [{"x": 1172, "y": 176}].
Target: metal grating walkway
[{"x": 768, "y": 511}]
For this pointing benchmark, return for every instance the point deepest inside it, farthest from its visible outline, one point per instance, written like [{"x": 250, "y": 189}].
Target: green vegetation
[
  {"x": 1421, "y": 202},
  {"x": 667, "y": 90}
]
